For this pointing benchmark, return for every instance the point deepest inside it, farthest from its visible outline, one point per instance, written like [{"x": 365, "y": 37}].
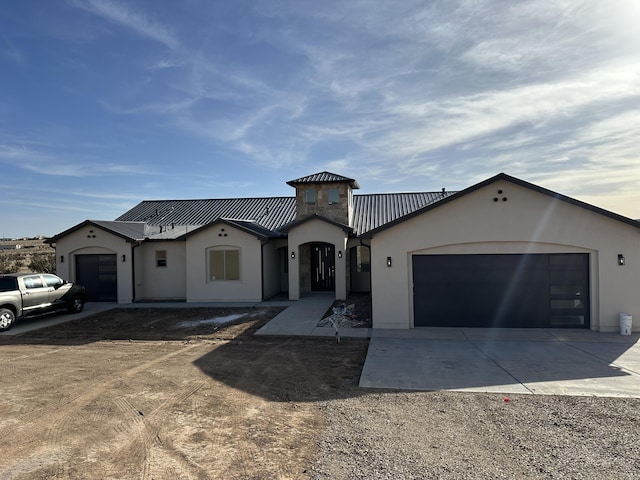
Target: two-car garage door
[{"x": 524, "y": 290}]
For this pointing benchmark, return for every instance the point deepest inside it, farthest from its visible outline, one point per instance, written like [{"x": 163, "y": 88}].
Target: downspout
[{"x": 262, "y": 282}]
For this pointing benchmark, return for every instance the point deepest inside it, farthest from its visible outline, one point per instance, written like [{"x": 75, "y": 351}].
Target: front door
[{"x": 323, "y": 267}]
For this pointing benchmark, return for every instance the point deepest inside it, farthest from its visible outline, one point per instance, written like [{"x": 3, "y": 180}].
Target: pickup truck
[{"x": 29, "y": 294}]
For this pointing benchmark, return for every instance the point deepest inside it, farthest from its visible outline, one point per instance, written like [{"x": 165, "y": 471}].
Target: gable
[{"x": 496, "y": 189}]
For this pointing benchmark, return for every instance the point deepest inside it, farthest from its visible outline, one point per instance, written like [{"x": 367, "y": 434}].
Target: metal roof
[
  {"x": 375, "y": 210},
  {"x": 266, "y": 216},
  {"x": 324, "y": 177},
  {"x": 270, "y": 212},
  {"x": 135, "y": 230}
]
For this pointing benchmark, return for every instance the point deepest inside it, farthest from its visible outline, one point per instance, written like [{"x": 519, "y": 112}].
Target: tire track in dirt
[
  {"x": 141, "y": 439},
  {"x": 25, "y": 440}
]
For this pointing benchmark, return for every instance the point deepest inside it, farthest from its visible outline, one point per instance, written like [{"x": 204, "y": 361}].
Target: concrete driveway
[{"x": 528, "y": 361}]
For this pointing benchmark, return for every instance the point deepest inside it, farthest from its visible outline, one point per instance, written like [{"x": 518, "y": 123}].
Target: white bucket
[{"x": 626, "y": 322}]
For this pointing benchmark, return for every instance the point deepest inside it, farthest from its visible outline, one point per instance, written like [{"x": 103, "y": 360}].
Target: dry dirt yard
[{"x": 168, "y": 394}]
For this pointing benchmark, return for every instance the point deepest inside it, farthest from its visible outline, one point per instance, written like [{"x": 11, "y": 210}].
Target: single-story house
[{"x": 502, "y": 253}]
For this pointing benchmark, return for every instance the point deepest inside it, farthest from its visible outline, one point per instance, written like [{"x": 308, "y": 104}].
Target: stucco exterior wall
[
  {"x": 89, "y": 240},
  {"x": 314, "y": 231},
  {"x": 161, "y": 283},
  {"x": 526, "y": 222},
  {"x": 200, "y": 288},
  {"x": 272, "y": 266}
]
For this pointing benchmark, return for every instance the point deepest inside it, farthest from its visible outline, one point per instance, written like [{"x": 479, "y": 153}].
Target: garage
[
  {"x": 502, "y": 290},
  {"x": 98, "y": 274}
]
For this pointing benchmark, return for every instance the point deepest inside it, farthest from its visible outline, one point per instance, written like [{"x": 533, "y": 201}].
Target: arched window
[{"x": 223, "y": 263}]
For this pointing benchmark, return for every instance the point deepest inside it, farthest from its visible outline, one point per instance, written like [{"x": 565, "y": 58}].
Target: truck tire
[
  {"x": 76, "y": 304},
  {"x": 7, "y": 317}
]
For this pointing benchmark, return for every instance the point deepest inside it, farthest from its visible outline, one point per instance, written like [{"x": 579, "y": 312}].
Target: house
[{"x": 501, "y": 253}]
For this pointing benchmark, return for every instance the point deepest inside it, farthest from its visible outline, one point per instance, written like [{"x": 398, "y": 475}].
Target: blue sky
[{"x": 105, "y": 103}]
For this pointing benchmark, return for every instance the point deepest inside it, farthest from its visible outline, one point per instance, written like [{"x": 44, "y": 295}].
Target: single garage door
[
  {"x": 532, "y": 291},
  {"x": 97, "y": 273}
]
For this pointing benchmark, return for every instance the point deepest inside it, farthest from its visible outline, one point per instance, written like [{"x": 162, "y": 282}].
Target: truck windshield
[{"x": 8, "y": 284}]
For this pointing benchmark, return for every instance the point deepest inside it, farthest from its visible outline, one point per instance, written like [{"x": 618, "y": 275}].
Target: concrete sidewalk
[{"x": 302, "y": 316}]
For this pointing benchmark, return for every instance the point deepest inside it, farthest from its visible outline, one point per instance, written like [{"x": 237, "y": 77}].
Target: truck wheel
[
  {"x": 7, "y": 317},
  {"x": 76, "y": 305}
]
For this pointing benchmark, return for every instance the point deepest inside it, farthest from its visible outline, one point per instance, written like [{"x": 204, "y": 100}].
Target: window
[
  {"x": 310, "y": 197},
  {"x": 161, "y": 258},
  {"x": 224, "y": 264},
  {"x": 8, "y": 283},
  {"x": 33, "y": 282},
  {"x": 52, "y": 281},
  {"x": 334, "y": 196},
  {"x": 363, "y": 259}
]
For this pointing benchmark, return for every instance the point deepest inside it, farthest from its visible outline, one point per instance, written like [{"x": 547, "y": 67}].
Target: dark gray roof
[
  {"x": 266, "y": 216},
  {"x": 373, "y": 211},
  {"x": 130, "y": 231},
  {"x": 324, "y": 177},
  {"x": 270, "y": 212}
]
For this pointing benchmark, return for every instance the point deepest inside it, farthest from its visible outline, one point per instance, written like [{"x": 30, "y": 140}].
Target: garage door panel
[
  {"x": 98, "y": 274},
  {"x": 535, "y": 290}
]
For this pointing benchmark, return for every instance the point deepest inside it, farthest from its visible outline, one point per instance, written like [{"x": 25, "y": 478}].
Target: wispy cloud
[
  {"x": 43, "y": 163},
  {"x": 140, "y": 23}
]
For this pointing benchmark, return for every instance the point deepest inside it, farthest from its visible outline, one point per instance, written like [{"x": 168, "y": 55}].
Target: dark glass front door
[{"x": 323, "y": 267}]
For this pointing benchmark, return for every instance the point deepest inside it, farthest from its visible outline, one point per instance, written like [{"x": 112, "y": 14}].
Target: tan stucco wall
[
  {"x": 527, "y": 222},
  {"x": 200, "y": 289},
  {"x": 317, "y": 231},
  {"x": 161, "y": 283},
  {"x": 93, "y": 240}
]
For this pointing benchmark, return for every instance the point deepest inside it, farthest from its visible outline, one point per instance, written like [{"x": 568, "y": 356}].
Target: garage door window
[{"x": 224, "y": 264}]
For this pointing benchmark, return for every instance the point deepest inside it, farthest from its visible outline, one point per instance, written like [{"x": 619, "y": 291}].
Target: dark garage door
[
  {"x": 98, "y": 275},
  {"x": 535, "y": 290}
]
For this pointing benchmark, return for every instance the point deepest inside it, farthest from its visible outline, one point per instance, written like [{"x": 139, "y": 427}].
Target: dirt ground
[
  {"x": 163, "y": 394},
  {"x": 172, "y": 394}
]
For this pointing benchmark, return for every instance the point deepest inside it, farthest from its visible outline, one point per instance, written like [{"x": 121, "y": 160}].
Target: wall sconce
[
  {"x": 339, "y": 253},
  {"x": 620, "y": 259},
  {"x": 124, "y": 258},
  {"x": 388, "y": 261},
  {"x": 61, "y": 258},
  {"x": 293, "y": 254}
]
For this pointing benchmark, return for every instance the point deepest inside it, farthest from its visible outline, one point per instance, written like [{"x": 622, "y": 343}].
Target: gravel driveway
[{"x": 454, "y": 435}]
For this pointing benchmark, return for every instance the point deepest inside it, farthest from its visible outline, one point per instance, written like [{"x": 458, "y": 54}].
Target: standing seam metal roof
[
  {"x": 271, "y": 213},
  {"x": 324, "y": 177}
]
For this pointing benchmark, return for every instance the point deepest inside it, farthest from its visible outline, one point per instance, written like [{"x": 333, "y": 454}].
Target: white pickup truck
[{"x": 30, "y": 294}]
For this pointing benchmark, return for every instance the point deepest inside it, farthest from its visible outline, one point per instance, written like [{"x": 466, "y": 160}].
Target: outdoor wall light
[
  {"x": 61, "y": 258},
  {"x": 388, "y": 261},
  {"x": 124, "y": 258},
  {"x": 339, "y": 253},
  {"x": 293, "y": 254},
  {"x": 620, "y": 259}
]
